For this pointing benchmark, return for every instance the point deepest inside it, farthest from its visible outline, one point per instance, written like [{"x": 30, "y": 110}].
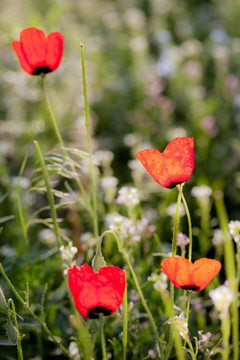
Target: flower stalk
[
  {"x": 154, "y": 326},
  {"x": 87, "y": 123}
]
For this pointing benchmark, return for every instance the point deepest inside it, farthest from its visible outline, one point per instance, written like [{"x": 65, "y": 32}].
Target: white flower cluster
[
  {"x": 104, "y": 157},
  {"x": 218, "y": 237},
  {"x": 126, "y": 229},
  {"x": 128, "y": 196},
  {"x": 234, "y": 228},
  {"x": 160, "y": 281},
  {"x": 47, "y": 237},
  {"x": 222, "y": 298},
  {"x": 109, "y": 186},
  {"x": 202, "y": 191},
  {"x": 68, "y": 252},
  {"x": 180, "y": 323}
]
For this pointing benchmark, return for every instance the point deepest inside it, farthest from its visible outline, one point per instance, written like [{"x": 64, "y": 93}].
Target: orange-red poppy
[
  {"x": 190, "y": 276},
  {"x": 96, "y": 292},
  {"x": 174, "y": 166},
  {"x": 37, "y": 53}
]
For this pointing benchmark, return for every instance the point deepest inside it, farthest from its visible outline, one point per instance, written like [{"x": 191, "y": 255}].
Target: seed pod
[{"x": 12, "y": 332}]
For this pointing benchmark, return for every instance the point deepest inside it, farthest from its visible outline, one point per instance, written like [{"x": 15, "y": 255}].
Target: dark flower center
[
  {"x": 93, "y": 313},
  {"x": 173, "y": 184},
  {"x": 41, "y": 70},
  {"x": 190, "y": 287}
]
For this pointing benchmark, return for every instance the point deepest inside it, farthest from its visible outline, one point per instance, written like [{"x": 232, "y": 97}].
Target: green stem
[
  {"x": 34, "y": 316},
  {"x": 238, "y": 264},
  {"x": 54, "y": 121},
  {"x": 188, "y": 305},
  {"x": 225, "y": 328},
  {"x": 175, "y": 231},
  {"x": 49, "y": 194},
  {"x": 19, "y": 344},
  {"x": 154, "y": 327},
  {"x": 189, "y": 222},
  {"x": 87, "y": 123},
  {"x": 60, "y": 140},
  {"x": 229, "y": 260},
  {"x": 174, "y": 252},
  {"x": 125, "y": 323},
  {"x": 191, "y": 348},
  {"x": 104, "y": 352},
  {"x": 187, "y": 312}
]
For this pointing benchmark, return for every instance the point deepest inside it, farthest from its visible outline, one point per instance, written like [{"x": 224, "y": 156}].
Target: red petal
[
  {"x": 54, "y": 46},
  {"x": 179, "y": 270},
  {"x": 33, "y": 43},
  {"x": 17, "y": 47},
  {"x": 104, "y": 288},
  {"x": 179, "y": 156},
  {"x": 154, "y": 162},
  {"x": 191, "y": 276},
  {"x": 204, "y": 271},
  {"x": 174, "y": 166}
]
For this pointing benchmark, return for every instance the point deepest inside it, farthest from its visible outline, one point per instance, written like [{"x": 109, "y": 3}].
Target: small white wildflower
[
  {"x": 128, "y": 196},
  {"x": 108, "y": 181},
  {"x": 182, "y": 240},
  {"x": 109, "y": 185},
  {"x": 73, "y": 350},
  {"x": 222, "y": 297},
  {"x": 130, "y": 139},
  {"x": 8, "y": 251},
  {"x": 218, "y": 237},
  {"x": 234, "y": 228},
  {"x": 171, "y": 210},
  {"x": 118, "y": 223},
  {"x": 47, "y": 237},
  {"x": 181, "y": 324},
  {"x": 202, "y": 191},
  {"x": 160, "y": 281},
  {"x": 68, "y": 252},
  {"x": 104, "y": 157}
]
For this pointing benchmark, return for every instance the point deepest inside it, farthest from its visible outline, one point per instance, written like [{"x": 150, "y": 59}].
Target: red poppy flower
[
  {"x": 190, "y": 276},
  {"x": 37, "y": 53},
  {"x": 174, "y": 166},
  {"x": 96, "y": 292}
]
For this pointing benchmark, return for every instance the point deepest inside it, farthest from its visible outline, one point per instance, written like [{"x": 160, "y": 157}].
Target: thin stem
[
  {"x": 175, "y": 231},
  {"x": 125, "y": 323},
  {"x": 103, "y": 344},
  {"x": 23, "y": 224},
  {"x": 229, "y": 260},
  {"x": 60, "y": 140},
  {"x": 87, "y": 123},
  {"x": 19, "y": 344},
  {"x": 226, "y": 328},
  {"x": 154, "y": 327},
  {"x": 54, "y": 121},
  {"x": 187, "y": 311},
  {"x": 38, "y": 319},
  {"x": 49, "y": 195},
  {"x": 189, "y": 222}
]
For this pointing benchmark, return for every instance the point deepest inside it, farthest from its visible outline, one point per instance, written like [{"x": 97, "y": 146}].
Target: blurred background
[{"x": 156, "y": 70}]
